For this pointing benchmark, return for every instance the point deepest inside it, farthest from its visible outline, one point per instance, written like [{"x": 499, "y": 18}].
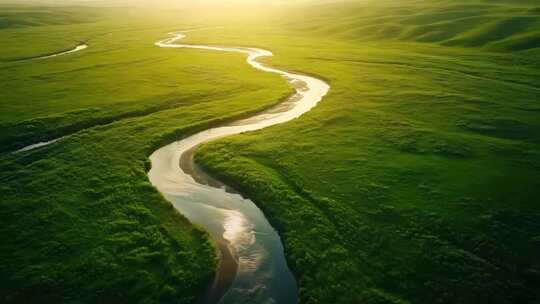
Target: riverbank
[
  {"x": 85, "y": 202},
  {"x": 238, "y": 227}
]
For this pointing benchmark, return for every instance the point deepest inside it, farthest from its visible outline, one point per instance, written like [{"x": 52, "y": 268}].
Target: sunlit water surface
[{"x": 253, "y": 267}]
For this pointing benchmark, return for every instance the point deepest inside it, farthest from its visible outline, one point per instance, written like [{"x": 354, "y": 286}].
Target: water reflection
[{"x": 253, "y": 267}]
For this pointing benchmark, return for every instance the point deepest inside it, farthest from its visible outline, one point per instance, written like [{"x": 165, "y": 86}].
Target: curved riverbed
[
  {"x": 78, "y": 48},
  {"x": 252, "y": 263}
]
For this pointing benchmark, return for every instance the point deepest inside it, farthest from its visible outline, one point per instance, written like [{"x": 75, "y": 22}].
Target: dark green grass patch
[
  {"x": 414, "y": 181},
  {"x": 80, "y": 220}
]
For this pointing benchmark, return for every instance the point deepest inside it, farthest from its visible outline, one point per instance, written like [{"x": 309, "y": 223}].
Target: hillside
[
  {"x": 416, "y": 179},
  {"x": 491, "y": 25}
]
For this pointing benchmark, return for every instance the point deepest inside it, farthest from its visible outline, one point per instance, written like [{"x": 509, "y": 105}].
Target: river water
[{"x": 252, "y": 265}]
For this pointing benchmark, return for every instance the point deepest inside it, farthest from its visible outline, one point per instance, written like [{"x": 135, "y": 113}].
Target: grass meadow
[
  {"x": 80, "y": 218},
  {"x": 416, "y": 180}
]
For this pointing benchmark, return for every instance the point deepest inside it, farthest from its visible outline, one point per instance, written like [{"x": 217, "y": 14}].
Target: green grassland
[
  {"x": 416, "y": 180},
  {"x": 80, "y": 221}
]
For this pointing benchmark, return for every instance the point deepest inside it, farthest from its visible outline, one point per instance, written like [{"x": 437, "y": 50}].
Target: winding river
[
  {"x": 78, "y": 48},
  {"x": 252, "y": 263}
]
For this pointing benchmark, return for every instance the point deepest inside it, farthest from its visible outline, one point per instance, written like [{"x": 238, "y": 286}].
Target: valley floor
[{"x": 416, "y": 180}]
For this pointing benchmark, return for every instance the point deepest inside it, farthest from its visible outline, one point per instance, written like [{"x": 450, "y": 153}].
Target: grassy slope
[
  {"x": 108, "y": 87},
  {"x": 121, "y": 75},
  {"x": 80, "y": 221},
  {"x": 416, "y": 180},
  {"x": 493, "y": 25},
  {"x": 25, "y": 16},
  {"x": 24, "y": 29}
]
